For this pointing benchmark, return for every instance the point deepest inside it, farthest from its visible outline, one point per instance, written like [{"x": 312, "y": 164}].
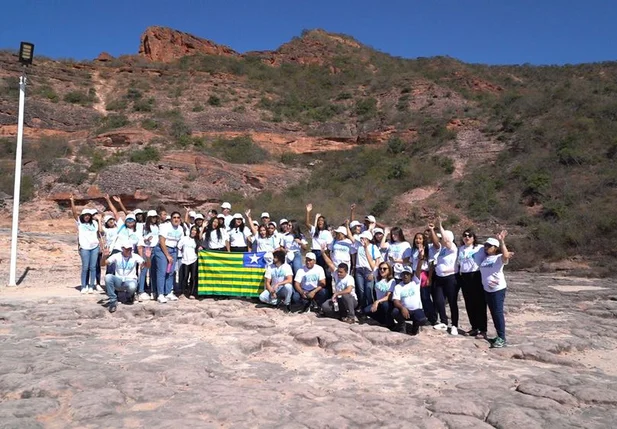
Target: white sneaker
[
  {"x": 453, "y": 330},
  {"x": 143, "y": 297},
  {"x": 99, "y": 288},
  {"x": 161, "y": 299},
  {"x": 440, "y": 327},
  {"x": 171, "y": 297},
  {"x": 84, "y": 289},
  {"x": 90, "y": 290}
]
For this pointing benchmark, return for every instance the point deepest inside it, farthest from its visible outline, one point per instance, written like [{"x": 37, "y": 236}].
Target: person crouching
[
  {"x": 125, "y": 278},
  {"x": 278, "y": 280},
  {"x": 407, "y": 301}
]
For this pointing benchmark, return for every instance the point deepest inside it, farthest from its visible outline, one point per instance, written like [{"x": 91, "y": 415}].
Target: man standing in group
[{"x": 226, "y": 208}]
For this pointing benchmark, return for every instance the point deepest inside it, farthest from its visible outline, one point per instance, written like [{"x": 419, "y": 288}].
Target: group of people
[{"x": 356, "y": 271}]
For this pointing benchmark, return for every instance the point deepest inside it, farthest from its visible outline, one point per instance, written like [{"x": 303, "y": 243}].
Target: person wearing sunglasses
[
  {"x": 381, "y": 309},
  {"x": 470, "y": 256}
]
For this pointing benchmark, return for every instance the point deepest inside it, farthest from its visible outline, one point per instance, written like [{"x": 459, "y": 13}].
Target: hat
[
  {"x": 265, "y": 214},
  {"x": 492, "y": 241},
  {"x": 370, "y": 218},
  {"x": 107, "y": 218},
  {"x": 220, "y": 216},
  {"x": 129, "y": 217},
  {"x": 152, "y": 213},
  {"x": 255, "y": 223},
  {"x": 198, "y": 216},
  {"x": 341, "y": 229},
  {"x": 137, "y": 211},
  {"x": 377, "y": 231},
  {"x": 354, "y": 223},
  {"x": 272, "y": 223},
  {"x": 367, "y": 235},
  {"x": 310, "y": 255},
  {"x": 126, "y": 244},
  {"x": 226, "y": 205},
  {"x": 238, "y": 216},
  {"x": 192, "y": 213},
  {"x": 398, "y": 269},
  {"x": 85, "y": 212},
  {"x": 282, "y": 221},
  {"x": 93, "y": 211},
  {"x": 268, "y": 257},
  {"x": 407, "y": 269}
]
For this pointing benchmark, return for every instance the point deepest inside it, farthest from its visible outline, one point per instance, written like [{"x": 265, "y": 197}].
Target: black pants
[
  {"x": 445, "y": 288},
  {"x": 475, "y": 302},
  {"x": 417, "y": 317},
  {"x": 187, "y": 287},
  {"x": 239, "y": 249}
]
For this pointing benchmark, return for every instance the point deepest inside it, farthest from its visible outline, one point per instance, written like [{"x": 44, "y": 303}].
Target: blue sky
[{"x": 483, "y": 31}]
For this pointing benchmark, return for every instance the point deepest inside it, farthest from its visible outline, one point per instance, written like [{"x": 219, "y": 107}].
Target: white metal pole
[{"x": 20, "y": 136}]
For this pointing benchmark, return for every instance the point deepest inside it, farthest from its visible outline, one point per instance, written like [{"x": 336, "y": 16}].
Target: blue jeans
[
  {"x": 164, "y": 280},
  {"x": 296, "y": 264},
  {"x": 114, "y": 283},
  {"x": 495, "y": 302},
  {"x": 283, "y": 294},
  {"x": 142, "y": 279},
  {"x": 383, "y": 315},
  {"x": 320, "y": 297},
  {"x": 88, "y": 266},
  {"x": 364, "y": 286},
  {"x": 322, "y": 263}
]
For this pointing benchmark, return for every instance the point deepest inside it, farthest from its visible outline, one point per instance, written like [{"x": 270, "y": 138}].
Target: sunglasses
[
  {"x": 384, "y": 268},
  {"x": 467, "y": 235},
  {"x": 175, "y": 217}
]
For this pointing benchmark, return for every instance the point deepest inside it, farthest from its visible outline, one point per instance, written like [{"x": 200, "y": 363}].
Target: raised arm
[
  {"x": 352, "y": 209},
  {"x": 445, "y": 240},
  {"x": 112, "y": 207},
  {"x": 349, "y": 234},
  {"x": 250, "y": 222},
  {"x": 505, "y": 254},
  {"x": 326, "y": 257},
  {"x": 307, "y": 220},
  {"x": 434, "y": 237},
  {"x": 73, "y": 208},
  {"x": 119, "y": 201},
  {"x": 186, "y": 215}
]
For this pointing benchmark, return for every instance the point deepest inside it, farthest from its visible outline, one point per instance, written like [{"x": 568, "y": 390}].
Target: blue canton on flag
[{"x": 254, "y": 260}]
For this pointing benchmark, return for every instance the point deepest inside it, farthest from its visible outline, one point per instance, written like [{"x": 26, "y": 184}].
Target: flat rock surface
[{"x": 65, "y": 362}]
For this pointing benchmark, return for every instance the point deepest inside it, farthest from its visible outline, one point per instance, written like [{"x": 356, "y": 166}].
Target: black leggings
[
  {"x": 445, "y": 287},
  {"x": 185, "y": 287},
  {"x": 475, "y": 302}
]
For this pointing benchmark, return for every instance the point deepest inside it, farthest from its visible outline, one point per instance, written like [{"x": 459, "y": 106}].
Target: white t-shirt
[
  {"x": 323, "y": 237},
  {"x": 125, "y": 234},
  {"x": 228, "y": 220},
  {"x": 399, "y": 250},
  {"x": 87, "y": 235},
  {"x": 409, "y": 294},
  {"x": 172, "y": 235},
  {"x": 266, "y": 244},
  {"x": 344, "y": 283},
  {"x": 309, "y": 279},
  {"x": 362, "y": 259},
  {"x": 469, "y": 258},
  {"x": 278, "y": 274},
  {"x": 125, "y": 268},
  {"x": 415, "y": 256},
  {"x": 432, "y": 252},
  {"x": 111, "y": 234},
  {"x": 340, "y": 252},
  {"x": 290, "y": 243},
  {"x": 491, "y": 269},
  {"x": 383, "y": 286},
  {"x": 237, "y": 238},
  {"x": 150, "y": 239},
  {"x": 189, "y": 250},
  {"x": 213, "y": 239},
  {"x": 445, "y": 261}
]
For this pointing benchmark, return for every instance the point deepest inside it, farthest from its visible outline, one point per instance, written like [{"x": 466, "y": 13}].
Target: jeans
[
  {"x": 296, "y": 263},
  {"x": 495, "y": 302},
  {"x": 322, "y": 263},
  {"x": 475, "y": 302},
  {"x": 283, "y": 293},
  {"x": 98, "y": 271},
  {"x": 164, "y": 280},
  {"x": 383, "y": 315},
  {"x": 364, "y": 286},
  {"x": 427, "y": 303},
  {"x": 114, "y": 283},
  {"x": 320, "y": 297},
  {"x": 184, "y": 286},
  {"x": 346, "y": 305},
  {"x": 446, "y": 286},
  {"x": 417, "y": 317},
  {"x": 88, "y": 266}
]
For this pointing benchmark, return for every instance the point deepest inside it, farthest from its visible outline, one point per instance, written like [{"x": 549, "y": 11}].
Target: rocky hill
[{"x": 327, "y": 119}]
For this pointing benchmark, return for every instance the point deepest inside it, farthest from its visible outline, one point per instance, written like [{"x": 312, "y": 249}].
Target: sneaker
[
  {"x": 99, "y": 288},
  {"x": 84, "y": 289},
  {"x": 171, "y": 297},
  {"x": 90, "y": 290},
  {"x": 112, "y": 307},
  {"x": 349, "y": 319},
  {"x": 287, "y": 309},
  {"x": 143, "y": 297},
  {"x": 306, "y": 309},
  {"x": 161, "y": 299},
  {"x": 440, "y": 326},
  {"x": 498, "y": 343},
  {"x": 191, "y": 297},
  {"x": 453, "y": 330},
  {"x": 472, "y": 332},
  {"x": 481, "y": 335}
]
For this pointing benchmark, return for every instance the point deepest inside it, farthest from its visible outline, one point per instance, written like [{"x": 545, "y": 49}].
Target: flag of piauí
[{"x": 231, "y": 274}]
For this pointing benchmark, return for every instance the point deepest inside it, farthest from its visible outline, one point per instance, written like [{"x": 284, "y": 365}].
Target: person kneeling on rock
[
  {"x": 278, "y": 279},
  {"x": 309, "y": 284},
  {"x": 125, "y": 279},
  {"x": 406, "y": 299},
  {"x": 344, "y": 299}
]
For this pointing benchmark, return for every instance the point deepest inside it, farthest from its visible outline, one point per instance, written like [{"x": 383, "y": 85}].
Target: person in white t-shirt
[
  {"x": 261, "y": 241},
  {"x": 444, "y": 279},
  {"x": 344, "y": 299},
  {"x": 494, "y": 282},
  {"x": 165, "y": 257},
  {"x": 215, "y": 235},
  {"x": 407, "y": 301},
  {"x": 340, "y": 248},
  {"x": 125, "y": 278},
  {"x": 469, "y": 280},
  {"x": 320, "y": 235},
  {"x": 368, "y": 258},
  {"x": 89, "y": 245},
  {"x": 309, "y": 284},
  {"x": 148, "y": 241},
  {"x": 226, "y": 212},
  {"x": 278, "y": 282},
  {"x": 238, "y": 234},
  {"x": 399, "y": 250},
  {"x": 420, "y": 242},
  {"x": 188, "y": 268},
  {"x": 381, "y": 308},
  {"x": 294, "y": 242}
]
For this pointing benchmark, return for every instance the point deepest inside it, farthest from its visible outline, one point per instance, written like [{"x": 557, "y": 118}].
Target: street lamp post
[{"x": 26, "y": 54}]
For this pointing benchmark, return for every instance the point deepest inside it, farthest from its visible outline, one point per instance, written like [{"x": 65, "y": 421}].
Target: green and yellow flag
[{"x": 230, "y": 274}]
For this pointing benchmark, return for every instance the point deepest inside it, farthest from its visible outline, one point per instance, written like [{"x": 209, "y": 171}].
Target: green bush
[
  {"x": 145, "y": 155},
  {"x": 149, "y": 124},
  {"x": 239, "y": 150},
  {"x": 214, "y": 100},
  {"x": 81, "y": 98},
  {"x": 144, "y": 105},
  {"x": 48, "y": 92},
  {"x": 198, "y": 108},
  {"x": 119, "y": 104},
  {"x": 111, "y": 122},
  {"x": 366, "y": 107},
  {"x": 26, "y": 187}
]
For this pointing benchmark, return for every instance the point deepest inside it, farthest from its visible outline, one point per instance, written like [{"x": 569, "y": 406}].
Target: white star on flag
[{"x": 254, "y": 259}]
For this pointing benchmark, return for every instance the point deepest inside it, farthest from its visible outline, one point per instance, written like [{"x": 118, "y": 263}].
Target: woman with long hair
[
  {"x": 381, "y": 308},
  {"x": 188, "y": 268},
  {"x": 320, "y": 235},
  {"x": 215, "y": 236},
  {"x": 87, "y": 229},
  {"x": 263, "y": 241},
  {"x": 294, "y": 243},
  {"x": 419, "y": 242},
  {"x": 470, "y": 256},
  {"x": 238, "y": 234},
  {"x": 148, "y": 241},
  {"x": 165, "y": 255},
  {"x": 399, "y": 250}
]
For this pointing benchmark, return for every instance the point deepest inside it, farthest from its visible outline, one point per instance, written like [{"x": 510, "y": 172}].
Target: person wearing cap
[
  {"x": 344, "y": 299},
  {"x": 406, "y": 300},
  {"x": 369, "y": 223},
  {"x": 470, "y": 256},
  {"x": 444, "y": 280},
  {"x": 215, "y": 236},
  {"x": 139, "y": 217},
  {"x": 367, "y": 259},
  {"x": 262, "y": 239},
  {"x": 293, "y": 242},
  {"x": 165, "y": 256},
  {"x": 379, "y": 240},
  {"x": 309, "y": 284},
  {"x": 381, "y": 308},
  {"x": 88, "y": 239},
  {"x": 265, "y": 218},
  {"x": 278, "y": 279},
  {"x": 127, "y": 232},
  {"x": 238, "y": 235},
  {"x": 354, "y": 228},
  {"x": 494, "y": 282},
  {"x": 125, "y": 278},
  {"x": 340, "y": 248},
  {"x": 148, "y": 241},
  {"x": 226, "y": 209}
]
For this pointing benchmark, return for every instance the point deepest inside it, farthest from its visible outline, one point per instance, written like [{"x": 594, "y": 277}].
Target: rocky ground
[{"x": 65, "y": 362}]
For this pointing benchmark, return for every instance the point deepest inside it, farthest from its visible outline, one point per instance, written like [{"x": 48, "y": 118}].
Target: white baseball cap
[
  {"x": 126, "y": 244},
  {"x": 152, "y": 213},
  {"x": 107, "y": 218},
  {"x": 226, "y": 205},
  {"x": 407, "y": 269},
  {"x": 269, "y": 257},
  {"x": 238, "y": 216},
  {"x": 378, "y": 231},
  {"x": 129, "y": 217},
  {"x": 192, "y": 213},
  {"x": 272, "y": 223},
  {"x": 354, "y": 224},
  {"x": 310, "y": 255},
  {"x": 282, "y": 221},
  {"x": 492, "y": 241},
  {"x": 265, "y": 214},
  {"x": 220, "y": 216},
  {"x": 93, "y": 211},
  {"x": 137, "y": 211},
  {"x": 370, "y": 218},
  {"x": 85, "y": 212},
  {"x": 255, "y": 223},
  {"x": 341, "y": 229},
  {"x": 367, "y": 235},
  {"x": 198, "y": 216}
]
